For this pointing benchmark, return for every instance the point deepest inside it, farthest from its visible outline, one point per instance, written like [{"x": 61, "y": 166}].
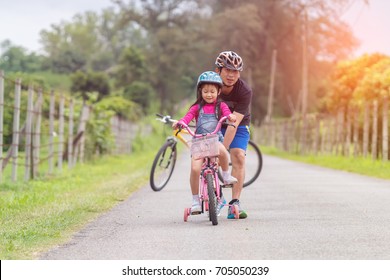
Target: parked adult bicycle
[{"x": 165, "y": 159}]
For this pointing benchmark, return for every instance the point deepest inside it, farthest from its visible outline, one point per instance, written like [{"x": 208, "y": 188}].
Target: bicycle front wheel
[
  {"x": 212, "y": 199},
  {"x": 163, "y": 166}
]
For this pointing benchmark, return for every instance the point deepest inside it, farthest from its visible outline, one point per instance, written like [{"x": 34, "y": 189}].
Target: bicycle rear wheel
[
  {"x": 253, "y": 164},
  {"x": 163, "y": 166},
  {"x": 212, "y": 199}
]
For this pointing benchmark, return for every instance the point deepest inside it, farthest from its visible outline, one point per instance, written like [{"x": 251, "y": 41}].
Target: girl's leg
[
  {"x": 224, "y": 163},
  {"x": 223, "y": 157},
  {"x": 196, "y": 166}
]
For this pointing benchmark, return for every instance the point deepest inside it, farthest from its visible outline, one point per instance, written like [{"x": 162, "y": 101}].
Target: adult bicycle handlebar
[{"x": 165, "y": 119}]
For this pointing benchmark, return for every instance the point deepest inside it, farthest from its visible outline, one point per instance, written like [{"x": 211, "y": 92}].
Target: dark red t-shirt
[{"x": 239, "y": 100}]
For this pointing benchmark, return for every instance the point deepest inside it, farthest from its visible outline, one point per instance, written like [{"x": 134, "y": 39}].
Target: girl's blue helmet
[{"x": 209, "y": 77}]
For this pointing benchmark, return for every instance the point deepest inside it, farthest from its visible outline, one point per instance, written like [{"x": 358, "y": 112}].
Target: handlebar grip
[{"x": 159, "y": 115}]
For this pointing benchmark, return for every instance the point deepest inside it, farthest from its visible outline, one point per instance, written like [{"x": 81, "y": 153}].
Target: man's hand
[{"x": 232, "y": 118}]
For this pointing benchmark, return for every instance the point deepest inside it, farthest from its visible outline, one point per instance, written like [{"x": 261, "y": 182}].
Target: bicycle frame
[
  {"x": 176, "y": 133},
  {"x": 209, "y": 166}
]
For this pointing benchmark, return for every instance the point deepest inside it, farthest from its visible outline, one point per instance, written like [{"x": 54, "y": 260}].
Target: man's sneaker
[
  {"x": 243, "y": 214},
  {"x": 230, "y": 180},
  {"x": 196, "y": 209},
  {"x": 220, "y": 205}
]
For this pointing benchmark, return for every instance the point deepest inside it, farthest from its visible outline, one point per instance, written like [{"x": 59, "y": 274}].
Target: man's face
[{"x": 229, "y": 77}]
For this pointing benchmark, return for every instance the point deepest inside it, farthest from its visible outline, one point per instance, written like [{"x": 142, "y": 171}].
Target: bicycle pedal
[{"x": 227, "y": 186}]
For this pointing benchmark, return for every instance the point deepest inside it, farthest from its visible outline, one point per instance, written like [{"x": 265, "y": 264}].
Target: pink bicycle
[{"x": 206, "y": 146}]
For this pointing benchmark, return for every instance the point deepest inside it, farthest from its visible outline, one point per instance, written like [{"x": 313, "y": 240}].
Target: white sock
[
  {"x": 195, "y": 199},
  {"x": 225, "y": 174}
]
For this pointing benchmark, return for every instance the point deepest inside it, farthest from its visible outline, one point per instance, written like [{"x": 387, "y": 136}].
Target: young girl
[{"x": 207, "y": 110}]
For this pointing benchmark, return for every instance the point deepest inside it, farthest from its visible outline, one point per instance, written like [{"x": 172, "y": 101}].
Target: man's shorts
[{"x": 241, "y": 138}]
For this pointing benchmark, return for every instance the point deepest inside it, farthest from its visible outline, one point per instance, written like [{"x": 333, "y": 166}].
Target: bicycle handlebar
[
  {"x": 182, "y": 124},
  {"x": 165, "y": 119}
]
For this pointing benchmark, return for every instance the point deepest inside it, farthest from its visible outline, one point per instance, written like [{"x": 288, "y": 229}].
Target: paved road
[{"x": 296, "y": 212}]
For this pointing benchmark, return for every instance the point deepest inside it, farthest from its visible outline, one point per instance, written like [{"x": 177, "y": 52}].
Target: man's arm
[{"x": 231, "y": 131}]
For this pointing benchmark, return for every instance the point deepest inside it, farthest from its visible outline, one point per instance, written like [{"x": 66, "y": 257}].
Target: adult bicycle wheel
[
  {"x": 212, "y": 199},
  {"x": 253, "y": 164},
  {"x": 163, "y": 166}
]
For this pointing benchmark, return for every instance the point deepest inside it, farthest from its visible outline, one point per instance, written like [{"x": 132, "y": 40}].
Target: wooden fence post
[
  {"x": 37, "y": 135},
  {"x": 28, "y": 132},
  {"x": 374, "y": 139},
  {"x": 61, "y": 132},
  {"x": 70, "y": 135},
  {"x": 1, "y": 122},
  {"x": 316, "y": 140},
  {"x": 79, "y": 142},
  {"x": 15, "y": 136},
  {"x": 347, "y": 144},
  {"x": 340, "y": 131},
  {"x": 356, "y": 146},
  {"x": 366, "y": 128},
  {"x": 385, "y": 131},
  {"x": 51, "y": 132}
]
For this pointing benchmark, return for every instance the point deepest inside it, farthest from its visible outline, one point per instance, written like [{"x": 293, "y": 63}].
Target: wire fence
[
  {"x": 41, "y": 131},
  {"x": 354, "y": 131}
]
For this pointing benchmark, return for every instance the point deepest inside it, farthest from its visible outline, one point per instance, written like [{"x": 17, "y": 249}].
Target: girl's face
[{"x": 210, "y": 93}]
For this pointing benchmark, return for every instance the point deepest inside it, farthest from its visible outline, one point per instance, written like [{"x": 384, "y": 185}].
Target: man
[{"x": 238, "y": 96}]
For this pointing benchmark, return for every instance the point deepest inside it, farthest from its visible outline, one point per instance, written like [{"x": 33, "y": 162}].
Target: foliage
[
  {"x": 16, "y": 59},
  {"x": 140, "y": 93},
  {"x": 120, "y": 106},
  {"x": 376, "y": 82},
  {"x": 352, "y": 79},
  {"x": 100, "y": 138},
  {"x": 88, "y": 82}
]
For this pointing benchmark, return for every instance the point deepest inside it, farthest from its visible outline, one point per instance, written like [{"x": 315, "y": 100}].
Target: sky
[
  {"x": 370, "y": 25},
  {"x": 22, "y": 20}
]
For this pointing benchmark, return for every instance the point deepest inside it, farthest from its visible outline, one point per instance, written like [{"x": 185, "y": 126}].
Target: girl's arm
[{"x": 187, "y": 117}]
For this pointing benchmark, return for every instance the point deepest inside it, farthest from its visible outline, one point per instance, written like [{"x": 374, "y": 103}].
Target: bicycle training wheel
[
  {"x": 253, "y": 164},
  {"x": 163, "y": 166},
  {"x": 212, "y": 199}
]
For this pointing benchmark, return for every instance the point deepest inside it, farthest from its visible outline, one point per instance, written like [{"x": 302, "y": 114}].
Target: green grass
[
  {"x": 39, "y": 214},
  {"x": 364, "y": 166}
]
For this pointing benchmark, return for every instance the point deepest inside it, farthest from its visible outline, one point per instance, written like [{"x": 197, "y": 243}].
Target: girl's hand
[{"x": 232, "y": 118}]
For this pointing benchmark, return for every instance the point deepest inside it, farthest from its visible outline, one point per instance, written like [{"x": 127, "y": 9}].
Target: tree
[
  {"x": 346, "y": 79},
  {"x": 140, "y": 93},
  {"x": 17, "y": 59},
  {"x": 172, "y": 46},
  {"x": 89, "y": 82}
]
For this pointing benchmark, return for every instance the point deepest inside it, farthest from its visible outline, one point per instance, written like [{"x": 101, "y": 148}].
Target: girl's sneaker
[
  {"x": 221, "y": 204},
  {"x": 229, "y": 180},
  {"x": 196, "y": 209},
  {"x": 243, "y": 214}
]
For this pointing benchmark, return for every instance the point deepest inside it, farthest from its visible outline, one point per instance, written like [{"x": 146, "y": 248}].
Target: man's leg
[{"x": 237, "y": 156}]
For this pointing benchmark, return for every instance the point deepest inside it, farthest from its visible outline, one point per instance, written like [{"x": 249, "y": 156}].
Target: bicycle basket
[{"x": 207, "y": 146}]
